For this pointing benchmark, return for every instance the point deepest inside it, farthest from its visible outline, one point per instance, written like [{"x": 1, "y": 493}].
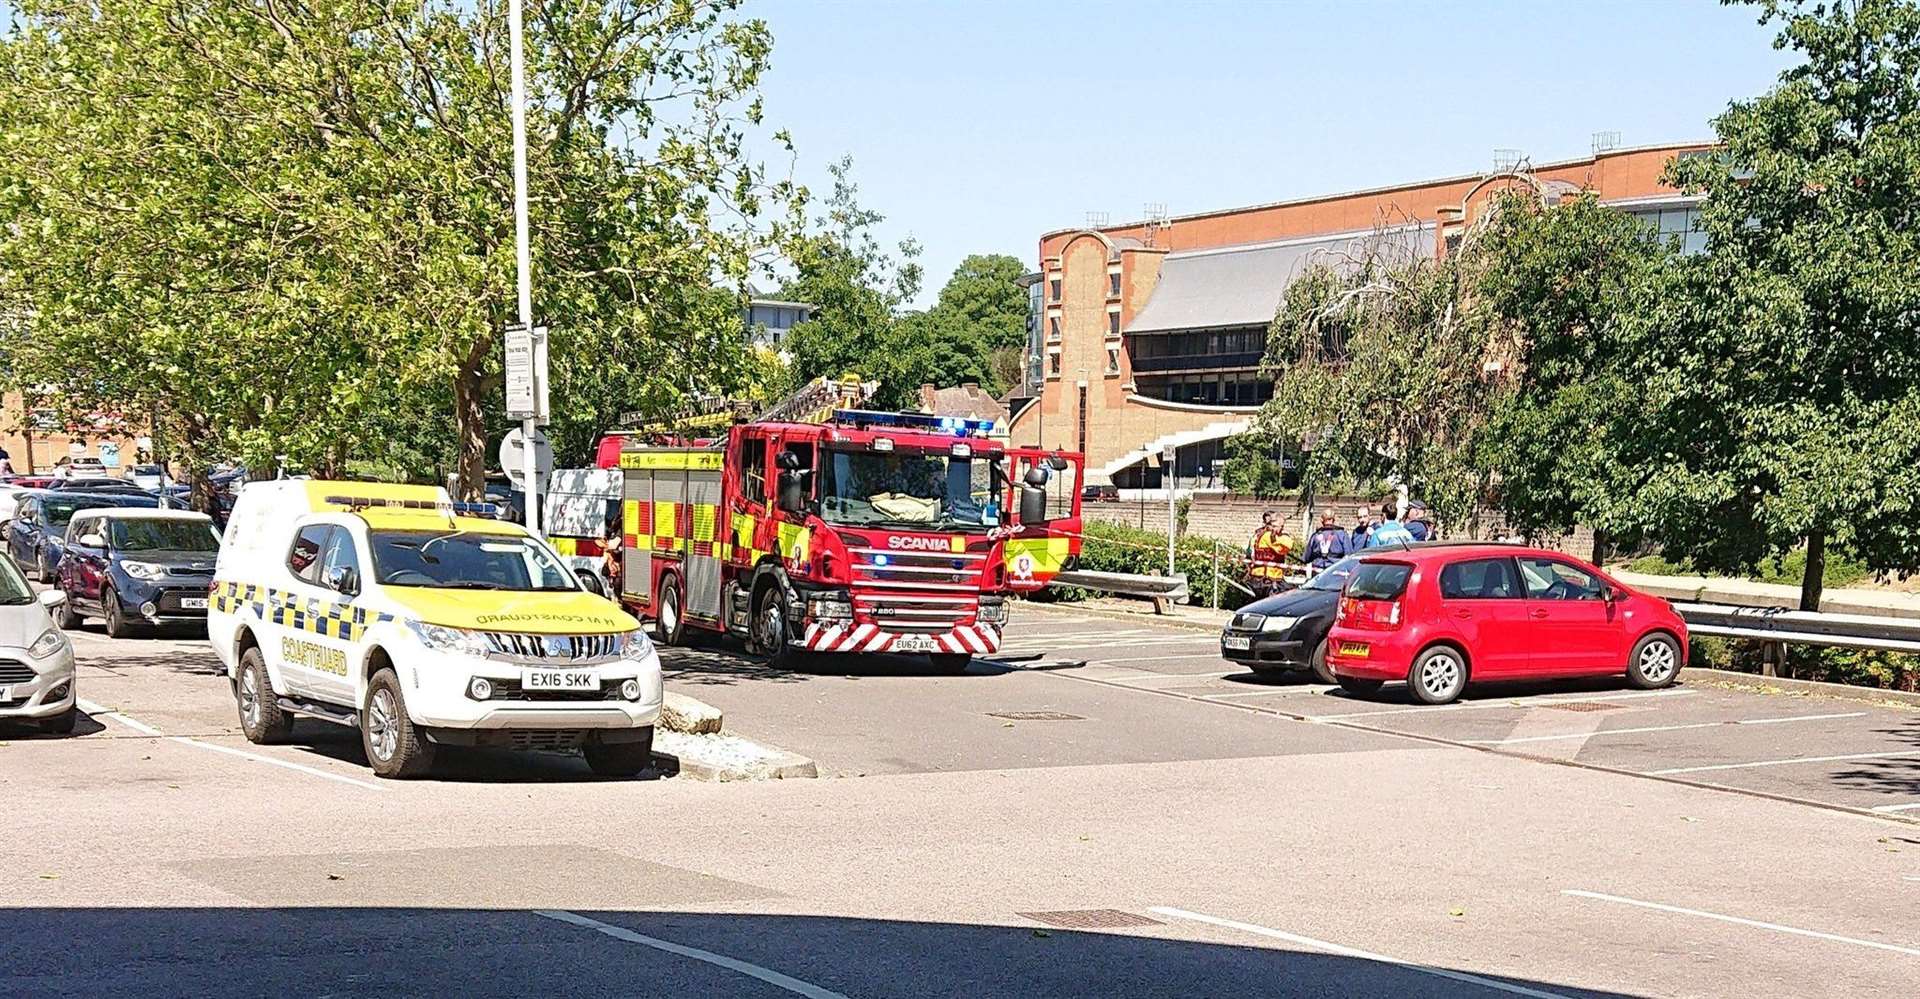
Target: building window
[
  {"x": 1681, "y": 221},
  {"x": 1113, "y": 324},
  {"x": 1053, "y": 364},
  {"x": 1053, "y": 289},
  {"x": 1082, "y": 448},
  {"x": 1113, "y": 285},
  {"x": 1053, "y": 327},
  {"x": 1113, "y": 360}
]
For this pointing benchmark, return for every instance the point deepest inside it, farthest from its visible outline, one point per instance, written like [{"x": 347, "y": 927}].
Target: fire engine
[{"x": 821, "y": 528}]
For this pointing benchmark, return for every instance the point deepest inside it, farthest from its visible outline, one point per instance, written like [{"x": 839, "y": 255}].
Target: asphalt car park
[{"x": 1104, "y": 808}]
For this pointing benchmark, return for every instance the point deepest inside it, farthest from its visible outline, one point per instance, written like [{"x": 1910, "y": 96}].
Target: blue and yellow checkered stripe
[{"x": 312, "y": 614}]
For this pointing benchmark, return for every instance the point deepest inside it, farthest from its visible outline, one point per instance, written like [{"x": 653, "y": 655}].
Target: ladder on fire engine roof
[{"x": 816, "y": 401}]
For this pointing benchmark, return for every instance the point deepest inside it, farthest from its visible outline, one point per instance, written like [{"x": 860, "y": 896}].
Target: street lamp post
[{"x": 523, "y": 253}]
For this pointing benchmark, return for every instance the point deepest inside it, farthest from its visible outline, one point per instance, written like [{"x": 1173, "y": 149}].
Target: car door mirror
[
  {"x": 1608, "y": 593},
  {"x": 53, "y": 598},
  {"x": 344, "y": 578},
  {"x": 92, "y": 541}
]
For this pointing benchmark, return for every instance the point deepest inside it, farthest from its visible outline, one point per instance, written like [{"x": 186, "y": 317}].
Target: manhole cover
[
  {"x": 1583, "y": 706},
  {"x": 1034, "y": 716},
  {"x": 1089, "y": 919}
]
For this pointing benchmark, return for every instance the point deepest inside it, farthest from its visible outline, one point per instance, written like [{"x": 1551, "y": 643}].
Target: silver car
[{"x": 36, "y": 660}]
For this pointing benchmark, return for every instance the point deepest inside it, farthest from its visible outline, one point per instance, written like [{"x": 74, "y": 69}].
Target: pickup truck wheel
[
  {"x": 619, "y": 759},
  {"x": 394, "y": 747},
  {"x": 951, "y": 663},
  {"x": 261, "y": 719}
]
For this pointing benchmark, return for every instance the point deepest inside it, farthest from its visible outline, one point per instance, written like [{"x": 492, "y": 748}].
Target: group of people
[{"x": 1272, "y": 548}]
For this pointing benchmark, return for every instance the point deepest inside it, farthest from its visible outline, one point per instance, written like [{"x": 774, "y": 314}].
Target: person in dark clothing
[
  {"x": 1329, "y": 544},
  {"x": 1417, "y": 523},
  {"x": 1362, "y": 526}
]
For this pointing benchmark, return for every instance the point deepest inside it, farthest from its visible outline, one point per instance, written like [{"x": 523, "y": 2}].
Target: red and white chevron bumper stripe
[{"x": 965, "y": 639}]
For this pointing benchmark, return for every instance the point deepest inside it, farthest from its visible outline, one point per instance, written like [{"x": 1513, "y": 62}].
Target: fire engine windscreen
[
  {"x": 465, "y": 560},
  {"x": 912, "y": 489}
]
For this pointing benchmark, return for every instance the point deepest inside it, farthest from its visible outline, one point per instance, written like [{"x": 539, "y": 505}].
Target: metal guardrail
[
  {"x": 1162, "y": 590},
  {"x": 1771, "y": 624}
]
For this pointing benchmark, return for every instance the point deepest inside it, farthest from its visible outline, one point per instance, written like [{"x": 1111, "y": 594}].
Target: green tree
[
  {"x": 1782, "y": 367},
  {"x": 287, "y": 229}
]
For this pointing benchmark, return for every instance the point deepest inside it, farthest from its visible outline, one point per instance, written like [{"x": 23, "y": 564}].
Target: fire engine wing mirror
[
  {"x": 793, "y": 491},
  {"x": 1036, "y": 477},
  {"x": 788, "y": 461},
  {"x": 1057, "y": 463},
  {"x": 1033, "y": 504}
]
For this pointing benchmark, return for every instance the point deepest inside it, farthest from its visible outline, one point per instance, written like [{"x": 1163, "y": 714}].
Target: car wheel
[
  {"x": 591, "y": 582},
  {"x": 669, "y": 623},
  {"x": 1438, "y": 675},
  {"x": 619, "y": 759},
  {"x": 69, "y": 618},
  {"x": 60, "y": 724},
  {"x": 770, "y": 627},
  {"x": 394, "y": 747},
  {"x": 117, "y": 625},
  {"x": 1318, "y": 664},
  {"x": 1655, "y": 662},
  {"x": 261, "y": 719},
  {"x": 951, "y": 663},
  {"x": 1358, "y": 685}
]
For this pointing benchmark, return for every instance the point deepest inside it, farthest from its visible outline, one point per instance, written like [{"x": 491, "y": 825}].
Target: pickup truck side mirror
[{"x": 344, "y": 578}]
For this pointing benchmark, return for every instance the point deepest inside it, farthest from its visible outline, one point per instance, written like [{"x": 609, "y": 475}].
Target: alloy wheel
[
  {"x": 250, "y": 697},
  {"x": 383, "y": 732},
  {"x": 1656, "y": 661},
  {"x": 1440, "y": 674}
]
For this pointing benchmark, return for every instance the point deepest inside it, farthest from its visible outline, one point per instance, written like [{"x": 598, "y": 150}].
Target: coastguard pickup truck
[{"x": 394, "y": 610}]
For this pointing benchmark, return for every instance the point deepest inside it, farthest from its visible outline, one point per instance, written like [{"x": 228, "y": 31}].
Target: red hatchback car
[{"x": 1440, "y": 614}]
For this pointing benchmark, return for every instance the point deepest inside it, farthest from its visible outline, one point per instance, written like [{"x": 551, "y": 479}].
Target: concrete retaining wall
[{"x": 1232, "y": 519}]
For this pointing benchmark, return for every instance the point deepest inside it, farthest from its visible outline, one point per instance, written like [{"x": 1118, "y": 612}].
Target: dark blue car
[
  {"x": 36, "y": 536},
  {"x": 131, "y": 567}
]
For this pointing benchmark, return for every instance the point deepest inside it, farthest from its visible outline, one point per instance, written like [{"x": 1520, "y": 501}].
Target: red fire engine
[{"x": 857, "y": 532}]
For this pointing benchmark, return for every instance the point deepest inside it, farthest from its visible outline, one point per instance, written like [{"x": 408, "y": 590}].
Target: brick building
[
  {"x": 35, "y": 440},
  {"x": 1149, "y": 335}
]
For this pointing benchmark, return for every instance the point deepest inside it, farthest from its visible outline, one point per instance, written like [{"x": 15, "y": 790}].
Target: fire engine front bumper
[{"x": 963, "y": 639}]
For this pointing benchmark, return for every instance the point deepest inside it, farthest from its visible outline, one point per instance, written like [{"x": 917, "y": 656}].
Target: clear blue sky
[{"x": 976, "y": 126}]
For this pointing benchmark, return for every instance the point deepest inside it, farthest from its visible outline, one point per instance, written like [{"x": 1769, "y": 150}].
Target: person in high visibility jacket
[{"x": 1267, "y": 555}]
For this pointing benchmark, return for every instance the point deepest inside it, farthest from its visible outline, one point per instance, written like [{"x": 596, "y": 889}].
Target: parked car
[
  {"x": 37, "y": 680},
  {"x": 128, "y": 565},
  {"x": 1288, "y": 631},
  {"x": 36, "y": 536},
  {"x": 148, "y": 477},
  {"x": 10, "y": 494},
  {"x": 98, "y": 486},
  {"x": 1100, "y": 494},
  {"x": 80, "y": 468},
  {"x": 1439, "y": 615}
]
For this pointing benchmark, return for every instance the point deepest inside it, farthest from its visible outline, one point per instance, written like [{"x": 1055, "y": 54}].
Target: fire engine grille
[
  {"x": 1583, "y": 706},
  {"x": 1090, "y": 919}
]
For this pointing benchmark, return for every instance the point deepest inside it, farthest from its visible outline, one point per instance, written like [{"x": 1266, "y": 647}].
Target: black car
[{"x": 1288, "y": 631}]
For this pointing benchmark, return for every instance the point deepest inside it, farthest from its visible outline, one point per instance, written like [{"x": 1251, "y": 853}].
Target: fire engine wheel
[
  {"x": 669, "y": 621},
  {"x": 770, "y": 626}
]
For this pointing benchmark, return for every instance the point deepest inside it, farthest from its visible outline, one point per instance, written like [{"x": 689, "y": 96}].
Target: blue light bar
[{"x": 958, "y": 426}]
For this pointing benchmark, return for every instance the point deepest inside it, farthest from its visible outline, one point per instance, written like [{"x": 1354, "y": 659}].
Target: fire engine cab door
[{"x": 1039, "y": 551}]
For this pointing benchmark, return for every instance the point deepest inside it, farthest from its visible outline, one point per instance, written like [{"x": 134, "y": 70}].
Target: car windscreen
[
  {"x": 153, "y": 535},
  {"x": 909, "y": 489},
  {"x": 1334, "y": 576},
  {"x": 1379, "y": 580},
  {"x": 58, "y": 510},
  {"x": 13, "y": 586},
  {"x": 469, "y": 560}
]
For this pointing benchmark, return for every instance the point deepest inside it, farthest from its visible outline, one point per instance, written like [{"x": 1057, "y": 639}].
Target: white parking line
[
  {"x": 143, "y": 728},
  {"x": 1344, "y": 951},
  {"x": 1174, "y": 676},
  {"x": 1782, "y": 763},
  {"x": 1656, "y": 728},
  {"x": 1509, "y": 703},
  {"x": 1304, "y": 688},
  {"x": 100, "y": 711},
  {"x": 1899, "y": 808},
  {"x": 257, "y": 758},
  {"x": 1757, "y": 924},
  {"x": 773, "y": 978}
]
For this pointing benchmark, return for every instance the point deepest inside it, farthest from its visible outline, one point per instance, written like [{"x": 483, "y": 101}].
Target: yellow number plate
[{"x": 1353, "y": 648}]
